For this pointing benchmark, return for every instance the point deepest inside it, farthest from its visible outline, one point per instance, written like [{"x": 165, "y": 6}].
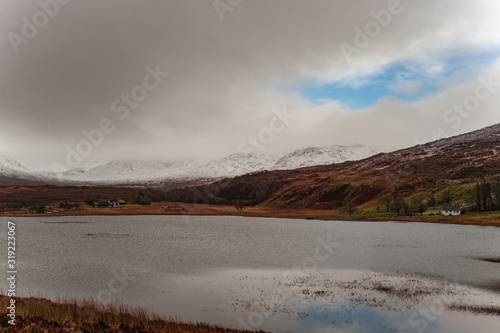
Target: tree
[
  {"x": 90, "y": 200},
  {"x": 30, "y": 205},
  {"x": 477, "y": 196},
  {"x": 432, "y": 200},
  {"x": 470, "y": 199},
  {"x": 446, "y": 197},
  {"x": 16, "y": 205},
  {"x": 39, "y": 208},
  {"x": 35, "y": 207},
  {"x": 239, "y": 205},
  {"x": 420, "y": 206},
  {"x": 141, "y": 199},
  {"x": 68, "y": 205},
  {"x": 399, "y": 205},
  {"x": 486, "y": 196},
  {"x": 386, "y": 201},
  {"x": 407, "y": 208},
  {"x": 350, "y": 207},
  {"x": 65, "y": 205},
  {"x": 496, "y": 194},
  {"x": 482, "y": 197}
]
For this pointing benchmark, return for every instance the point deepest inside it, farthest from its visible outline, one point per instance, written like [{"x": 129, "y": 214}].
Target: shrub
[
  {"x": 141, "y": 199},
  {"x": 90, "y": 200}
]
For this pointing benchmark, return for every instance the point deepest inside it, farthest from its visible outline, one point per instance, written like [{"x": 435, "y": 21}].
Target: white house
[
  {"x": 450, "y": 210},
  {"x": 106, "y": 203}
]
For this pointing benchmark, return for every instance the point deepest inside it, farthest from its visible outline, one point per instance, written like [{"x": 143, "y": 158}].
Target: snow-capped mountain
[
  {"x": 118, "y": 171},
  {"x": 134, "y": 172},
  {"x": 9, "y": 166},
  {"x": 322, "y": 156},
  {"x": 236, "y": 165},
  {"x": 14, "y": 173},
  {"x": 71, "y": 173},
  {"x": 229, "y": 166}
]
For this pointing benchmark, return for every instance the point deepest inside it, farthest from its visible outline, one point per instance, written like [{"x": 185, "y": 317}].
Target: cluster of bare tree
[
  {"x": 401, "y": 206},
  {"x": 70, "y": 205},
  {"x": 142, "y": 199},
  {"x": 239, "y": 204},
  {"x": 350, "y": 207},
  {"x": 485, "y": 196},
  {"x": 28, "y": 204}
]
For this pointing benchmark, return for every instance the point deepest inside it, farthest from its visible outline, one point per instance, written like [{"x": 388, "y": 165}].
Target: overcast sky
[{"x": 337, "y": 72}]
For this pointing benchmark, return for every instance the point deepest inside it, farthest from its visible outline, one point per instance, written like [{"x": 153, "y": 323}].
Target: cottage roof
[{"x": 450, "y": 208}]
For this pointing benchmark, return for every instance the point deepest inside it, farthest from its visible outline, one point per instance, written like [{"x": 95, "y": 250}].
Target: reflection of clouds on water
[
  {"x": 357, "y": 302},
  {"x": 363, "y": 318}
]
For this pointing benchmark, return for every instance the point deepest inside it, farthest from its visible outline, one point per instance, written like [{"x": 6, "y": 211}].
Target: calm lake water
[{"x": 146, "y": 260}]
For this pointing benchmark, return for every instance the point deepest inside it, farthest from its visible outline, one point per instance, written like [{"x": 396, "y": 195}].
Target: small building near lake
[
  {"x": 451, "y": 211},
  {"x": 106, "y": 203}
]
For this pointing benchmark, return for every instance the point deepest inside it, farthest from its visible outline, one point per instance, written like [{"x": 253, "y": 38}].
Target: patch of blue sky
[{"x": 409, "y": 80}]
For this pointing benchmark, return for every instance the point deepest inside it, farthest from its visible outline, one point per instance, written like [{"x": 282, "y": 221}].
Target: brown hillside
[{"x": 421, "y": 170}]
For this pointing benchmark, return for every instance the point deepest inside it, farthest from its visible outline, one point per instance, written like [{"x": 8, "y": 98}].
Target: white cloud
[{"x": 224, "y": 75}]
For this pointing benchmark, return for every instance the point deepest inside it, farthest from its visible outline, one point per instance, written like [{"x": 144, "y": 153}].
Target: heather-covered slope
[{"x": 454, "y": 164}]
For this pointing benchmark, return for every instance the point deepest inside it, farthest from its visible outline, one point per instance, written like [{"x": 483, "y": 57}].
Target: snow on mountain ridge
[
  {"x": 11, "y": 168},
  {"x": 118, "y": 171},
  {"x": 322, "y": 156},
  {"x": 136, "y": 171},
  {"x": 237, "y": 164},
  {"x": 10, "y": 165}
]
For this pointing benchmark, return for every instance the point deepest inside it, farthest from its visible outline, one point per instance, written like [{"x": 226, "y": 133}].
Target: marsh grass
[{"x": 70, "y": 315}]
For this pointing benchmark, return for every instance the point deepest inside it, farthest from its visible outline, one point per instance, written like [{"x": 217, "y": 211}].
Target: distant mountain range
[
  {"x": 453, "y": 165},
  {"x": 158, "y": 172},
  {"x": 13, "y": 173},
  {"x": 316, "y": 178}
]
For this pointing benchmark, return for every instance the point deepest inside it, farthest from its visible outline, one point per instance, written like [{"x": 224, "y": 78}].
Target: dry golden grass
[{"x": 69, "y": 315}]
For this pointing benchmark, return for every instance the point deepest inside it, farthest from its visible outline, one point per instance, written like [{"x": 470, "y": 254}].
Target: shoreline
[
  {"x": 390, "y": 297},
  {"x": 38, "y": 314},
  {"x": 168, "y": 208}
]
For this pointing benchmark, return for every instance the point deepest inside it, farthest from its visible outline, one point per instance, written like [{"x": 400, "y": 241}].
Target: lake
[{"x": 218, "y": 269}]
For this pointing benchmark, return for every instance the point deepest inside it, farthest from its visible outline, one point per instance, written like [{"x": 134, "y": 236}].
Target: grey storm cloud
[{"x": 228, "y": 65}]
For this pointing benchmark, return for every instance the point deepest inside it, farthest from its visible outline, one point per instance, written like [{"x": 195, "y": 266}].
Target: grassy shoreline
[
  {"x": 69, "y": 315},
  {"x": 169, "y": 208}
]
